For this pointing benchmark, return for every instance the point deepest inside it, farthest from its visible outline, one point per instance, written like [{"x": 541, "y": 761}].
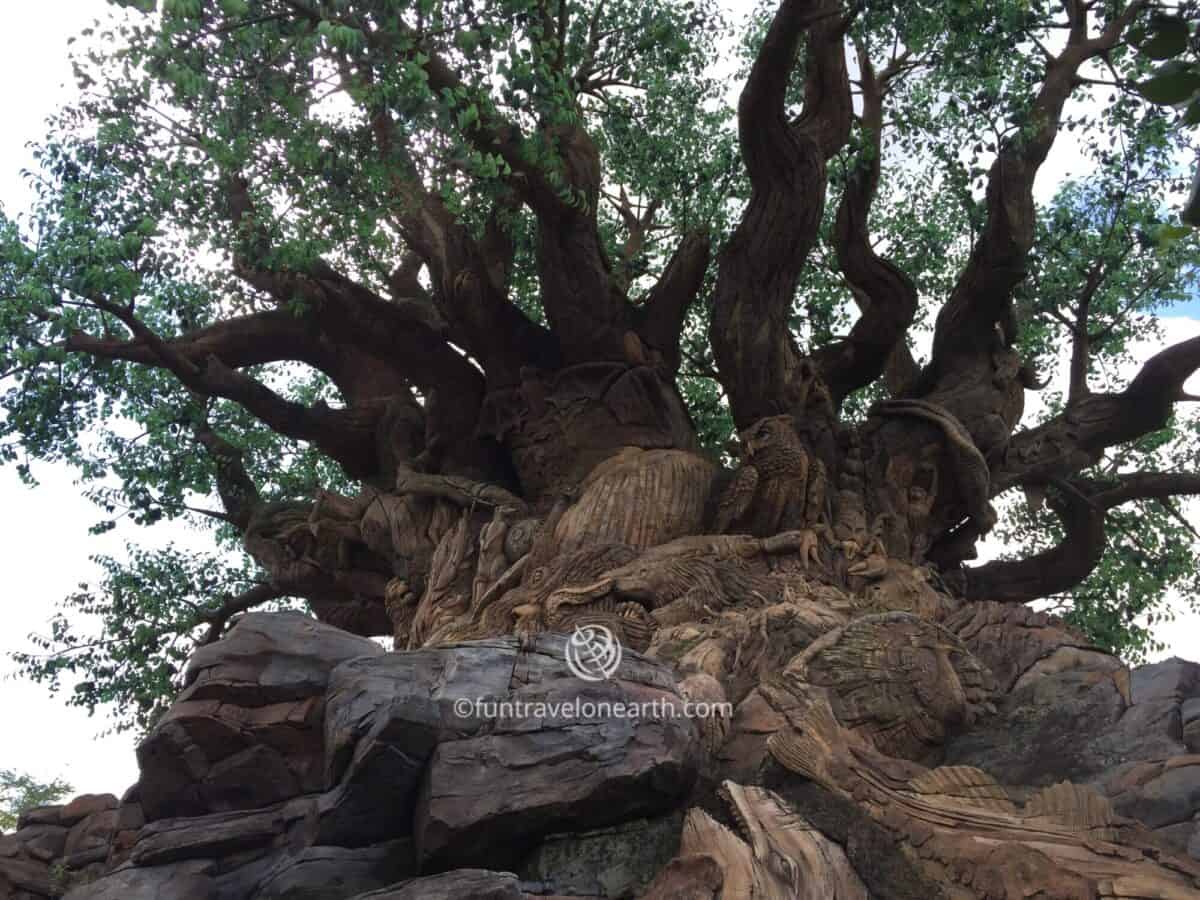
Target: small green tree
[{"x": 20, "y": 792}]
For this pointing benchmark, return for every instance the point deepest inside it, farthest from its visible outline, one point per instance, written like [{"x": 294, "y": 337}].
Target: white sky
[{"x": 44, "y": 542}]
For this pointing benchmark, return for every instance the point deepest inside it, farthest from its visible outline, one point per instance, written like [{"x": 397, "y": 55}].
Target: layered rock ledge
[{"x": 303, "y": 762}]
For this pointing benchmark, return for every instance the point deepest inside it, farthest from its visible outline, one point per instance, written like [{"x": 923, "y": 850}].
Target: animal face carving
[
  {"x": 773, "y": 431},
  {"x": 768, "y": 494}
]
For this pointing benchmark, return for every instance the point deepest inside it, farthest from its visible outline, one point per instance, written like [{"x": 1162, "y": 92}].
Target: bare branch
[
  {"x": 665, "y": 308},
  {"x": 409, "y": 334},
  {"x": 1052, "y": 571},
  {"x": 639, "y": 222},
  {"x": 403, "y": 280},
  {"x": 239, "y": 495},
  {"x": 247, "y": 600},
  {"x": 256, "y": 339},
  {"x": 983, "y": 295},
  {"x": 1081, "y": 505},
  {"x": 347, "y": 436},
  {"x": 1127, "y": 486}
]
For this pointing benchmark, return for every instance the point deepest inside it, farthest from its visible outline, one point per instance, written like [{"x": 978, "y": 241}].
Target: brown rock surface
[
  {"x": 460, "y": 884},
  {"x": 411, "y": 782},
  {"x": 386, "y": 732},
  {"x": 190, "y": 880},
  {"x": 21, "y": 878},
  {"x": 211, "y": 836},
  {"x": 333, "y": 873},
  {"x": 582, "y": 773},
  {"x": 271, "y": 658},
  {"x": 85, "y": 805},
  {"x": 93, "y": 833},
  {"x": 246, "y": 731},
  {"x": 1010, "y": 639},
  {"x": 41, "y": 842}
]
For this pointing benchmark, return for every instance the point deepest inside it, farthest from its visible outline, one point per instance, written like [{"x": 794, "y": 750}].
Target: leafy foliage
[
  {"x": 122, "y": 643},
  {"x": 1174, "y": 40},
  {"x": 20, "y": 792}
]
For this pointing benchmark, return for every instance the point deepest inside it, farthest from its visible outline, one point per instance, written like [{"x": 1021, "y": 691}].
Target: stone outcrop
[
  {"x": 300, "y": 761},
  {"x": 985, "y": 756},
  {"x": 55, "y": 843},
  {"x": 246, "y": 730},
  {"x": 479, "y": 884},
  {"x": 401, "y": 758}
]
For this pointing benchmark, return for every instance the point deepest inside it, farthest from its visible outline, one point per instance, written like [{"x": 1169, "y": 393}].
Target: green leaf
[
  {"x": 1192, "y": 115},
  {"x": 1169, "y": 38},
  {"x": 467, "y": 40},
  {"x": 1166, "y": 235},
  {"x": 20, "y": 792},
  {"x": 1172, "y": 83}
]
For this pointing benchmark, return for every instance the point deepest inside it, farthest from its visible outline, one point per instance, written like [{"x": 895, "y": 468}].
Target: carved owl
[{"x": 769, "y": 491}]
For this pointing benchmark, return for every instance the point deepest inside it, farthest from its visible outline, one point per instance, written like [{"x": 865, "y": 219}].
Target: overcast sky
[{"x": 44, "y": 542}]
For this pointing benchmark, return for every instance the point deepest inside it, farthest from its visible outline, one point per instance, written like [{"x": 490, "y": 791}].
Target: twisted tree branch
[
  {"x": 661, "y": 316},
  {"x": 346, "y": 435},
  {"x": 1077, "y": 437},
  {"x": 761, "y": 264},
  {"x": 982, "y": 297},
  {"x": 1081, "y": 507}
]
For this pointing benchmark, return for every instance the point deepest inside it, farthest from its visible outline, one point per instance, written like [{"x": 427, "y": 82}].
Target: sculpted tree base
[
  {"x": 799, "y": 590},
  {"x": 300, "y": 757}
]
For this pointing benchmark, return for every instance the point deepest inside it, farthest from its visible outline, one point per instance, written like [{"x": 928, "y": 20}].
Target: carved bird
[{"x": 769, "y": 491}]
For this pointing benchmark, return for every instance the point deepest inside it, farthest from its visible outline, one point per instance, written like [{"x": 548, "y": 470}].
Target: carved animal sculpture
[
  {"x": 958, "y": 827},
  {"x": 314, "y": 561},
  {"x": 772, "y": 853},
  {"x": 714, "y": 570},
  {"x": 898, "y": 586},
  {"x": 522, "y": 609},
  {"x": 769, "y": 491},
  {"x": 970, "y": 467},
  {"x": 902, "y": 682}
]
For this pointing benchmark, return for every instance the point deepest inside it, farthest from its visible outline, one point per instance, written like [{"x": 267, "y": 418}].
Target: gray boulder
[
  {"x": 190, "y": 880},
  {"x": 460, "y": 884},
  {"x": 408, "y": 747},
  {"x": 246, "y": 732}
]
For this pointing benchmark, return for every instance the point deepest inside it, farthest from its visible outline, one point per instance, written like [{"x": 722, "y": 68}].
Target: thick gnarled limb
[
  {"x": 1081, "y": 505},
  {"x": 982, "y": 297},
  {"x": 661, "y": 316},
  {"x": 760, "y": 266},
  {"x": 256, "y": 339},
  {"x": 1077, "y": 437}
]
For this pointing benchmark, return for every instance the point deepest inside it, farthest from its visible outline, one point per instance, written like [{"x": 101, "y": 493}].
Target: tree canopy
[{"x": 286, "y": 249}]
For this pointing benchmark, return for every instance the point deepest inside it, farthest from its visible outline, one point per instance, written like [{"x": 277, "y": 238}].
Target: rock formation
[{"x": 992, "y": 754}]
